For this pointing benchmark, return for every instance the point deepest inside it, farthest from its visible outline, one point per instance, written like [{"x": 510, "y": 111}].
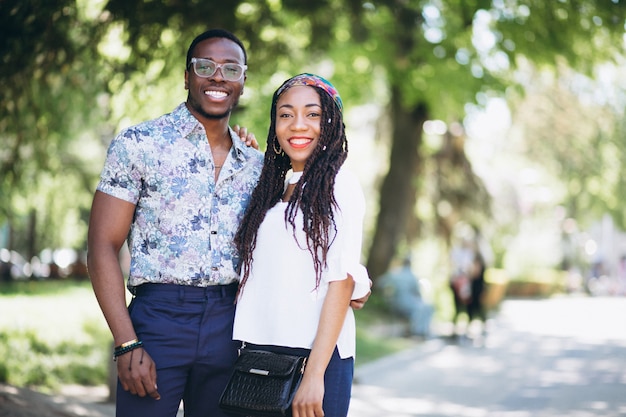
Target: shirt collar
[
  {"x": 184, "y": 121},
  {"x": 239, "y": 148},
  {"x": 186, "y": 124}
]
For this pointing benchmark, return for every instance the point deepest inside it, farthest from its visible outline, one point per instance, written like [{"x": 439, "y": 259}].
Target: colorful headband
[{"x": 312, "y": 80}]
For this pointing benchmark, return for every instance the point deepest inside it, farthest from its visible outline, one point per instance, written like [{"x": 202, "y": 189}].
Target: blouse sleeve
[{"x": 345, "y": 251}]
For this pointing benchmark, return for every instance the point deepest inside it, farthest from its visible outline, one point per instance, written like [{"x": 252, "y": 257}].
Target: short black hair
[{"x": 215, "y": 33}]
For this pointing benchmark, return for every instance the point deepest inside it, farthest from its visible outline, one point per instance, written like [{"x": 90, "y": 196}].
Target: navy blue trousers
[
  {"x": 188, "y": 333},
  {"x": 337, "y": 379}
]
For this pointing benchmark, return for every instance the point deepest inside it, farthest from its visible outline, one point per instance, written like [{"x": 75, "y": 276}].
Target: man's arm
[{"x": 108, "y": 227}]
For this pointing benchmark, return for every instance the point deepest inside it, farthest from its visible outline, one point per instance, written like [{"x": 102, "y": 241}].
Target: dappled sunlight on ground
[
  {"x": 587, "y": 318},
  {"x": 564, "y": 356}
]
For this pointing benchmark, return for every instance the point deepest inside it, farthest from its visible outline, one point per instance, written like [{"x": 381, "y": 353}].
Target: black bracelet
[
  {"x": 119, "y": 351},
  {"x": 123, "y": 345}
]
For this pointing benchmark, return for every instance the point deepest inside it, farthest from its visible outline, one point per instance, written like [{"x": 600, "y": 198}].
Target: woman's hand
[
  {"x": 246, "y": 137},
  {"x": 308, "y": 399}
]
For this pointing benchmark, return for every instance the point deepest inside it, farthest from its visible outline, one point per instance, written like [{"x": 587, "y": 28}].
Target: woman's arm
[{"x": 309, "y": 397}]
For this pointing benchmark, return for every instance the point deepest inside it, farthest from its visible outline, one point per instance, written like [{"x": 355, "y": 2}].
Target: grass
[
  {"x": 372, "y": 337},
  {"x": 53, "y": 333}
]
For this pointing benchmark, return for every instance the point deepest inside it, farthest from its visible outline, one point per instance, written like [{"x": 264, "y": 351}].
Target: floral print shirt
[{"x": 184, "y": 223}]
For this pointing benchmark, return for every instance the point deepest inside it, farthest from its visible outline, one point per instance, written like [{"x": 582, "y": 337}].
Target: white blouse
[{"x": 279, "y": 304}]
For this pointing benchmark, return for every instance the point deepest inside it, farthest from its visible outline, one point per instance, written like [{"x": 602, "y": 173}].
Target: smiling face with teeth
[
  {"x": 214, "y": 97},
  {"x": 298, "y": 116}
]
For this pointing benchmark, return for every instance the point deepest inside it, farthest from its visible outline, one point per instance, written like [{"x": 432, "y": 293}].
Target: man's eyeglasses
[{"x": 206, "y": 68}]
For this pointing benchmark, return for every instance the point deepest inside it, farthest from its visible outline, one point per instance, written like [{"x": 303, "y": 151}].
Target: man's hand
[
  {"x": 360, "y": 302},
  {"x": 137, "y": 373},
  {"x": 247, "y": 137}
]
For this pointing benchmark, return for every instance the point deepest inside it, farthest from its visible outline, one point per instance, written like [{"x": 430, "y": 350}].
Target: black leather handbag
[{"x": 263, "y": 384}]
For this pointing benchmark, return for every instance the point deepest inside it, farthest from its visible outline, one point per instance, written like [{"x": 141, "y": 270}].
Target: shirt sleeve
[
  {"x": 345, "y": 251},
  {"x": 118, "y": 177}
]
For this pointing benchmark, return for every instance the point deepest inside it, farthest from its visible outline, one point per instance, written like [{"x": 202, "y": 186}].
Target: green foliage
[
  {"x": 78, "y": 351},
  {"x": 52, "y": 333},
  {"x": 373, "y": 341},
  {"x": 41, "y": 288},
  {"x": 575, "y": 138},
  {"x": 581, "y": 32},
  {"x": 372, "y": 345},
  {"x": 51, "y": 84},
  {"x": 75, "y": 71},
  {"x": 27, "y": 360}
]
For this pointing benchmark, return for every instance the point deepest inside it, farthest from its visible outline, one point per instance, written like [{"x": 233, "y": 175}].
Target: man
[
  {"x": 176, "y": 187},
  {"x": 402, "y": 292}
]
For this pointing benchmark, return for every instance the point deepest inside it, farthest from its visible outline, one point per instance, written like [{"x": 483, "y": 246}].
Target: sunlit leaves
[
  {"x": 51, "y": 80},
  {"x": 577, "y": 138},
  {"x": 67, "y": 65}
]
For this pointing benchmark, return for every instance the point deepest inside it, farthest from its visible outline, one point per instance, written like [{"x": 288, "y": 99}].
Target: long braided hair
[{"x": 316, "y": 200}]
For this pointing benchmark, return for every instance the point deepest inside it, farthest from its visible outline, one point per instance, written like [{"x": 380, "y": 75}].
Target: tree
[
  {"x": 389, "y": 36},
  {"x": 572, "y": 127},
  {"x": 438, "y": 55},
  {"x": 425, "y": 58},
  {"x": 50, "y": 89}
]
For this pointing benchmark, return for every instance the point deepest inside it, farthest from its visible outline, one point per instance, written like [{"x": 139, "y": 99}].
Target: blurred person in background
[
  {"x": 402, "y": 292},
  {"x": 475, "y": 306},
  {"x": 462, "y": 259}
]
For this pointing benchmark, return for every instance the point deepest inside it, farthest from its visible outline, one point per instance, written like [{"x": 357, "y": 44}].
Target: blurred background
[{"x": 494, "y": 125}]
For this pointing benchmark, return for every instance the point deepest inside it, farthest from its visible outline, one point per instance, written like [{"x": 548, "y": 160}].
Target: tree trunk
[
  {"x": 111, "y": 376},
  {"x": 399, "y": 189},
  {"x": 31, "y": 243}
]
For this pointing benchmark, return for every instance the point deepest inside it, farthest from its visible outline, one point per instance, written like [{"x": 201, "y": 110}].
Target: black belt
[{"x": 186, "y": 291}]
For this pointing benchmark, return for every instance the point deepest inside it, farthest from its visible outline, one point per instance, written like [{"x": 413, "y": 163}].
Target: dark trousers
[
  {"x": 475, "y": 308},
  {"x": 188, "y": 333},
  {"x": 337, "y": 379}
]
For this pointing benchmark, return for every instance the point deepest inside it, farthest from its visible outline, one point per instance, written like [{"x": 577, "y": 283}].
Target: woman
[{"x": 300, "y": 243}]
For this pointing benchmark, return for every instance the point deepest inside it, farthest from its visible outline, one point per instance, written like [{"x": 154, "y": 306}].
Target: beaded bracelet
[{"x": 126, "y": 347}]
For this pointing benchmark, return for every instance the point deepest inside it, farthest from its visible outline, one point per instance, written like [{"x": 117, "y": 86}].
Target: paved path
[
  {"x": 541, "y": 358},
  {"x": 559, "y": 357}
]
